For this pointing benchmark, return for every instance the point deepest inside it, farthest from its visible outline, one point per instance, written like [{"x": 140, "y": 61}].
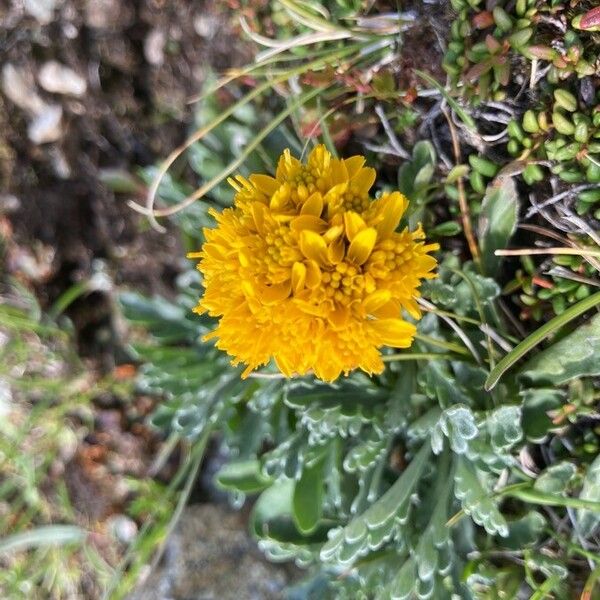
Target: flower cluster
[{"x": 307, "y": 269}]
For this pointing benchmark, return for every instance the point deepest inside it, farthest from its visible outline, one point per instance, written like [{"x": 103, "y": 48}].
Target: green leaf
[
  {"x": 497, "y": 221},
  {"x": 537, "y": 403},
  {"x": 504, "y": 426},
  {"x": 457, "y": 423},
  {"x": 164, "y": 320},
  {"x": 243, "y": 476},
  {"x": 587, "y": 520},
  {"x": 537, "y": 336},
  {"x": 379, "y": 522},
  {"x": 308, "y": 496},
  {"x": 556, "y": 478},
  {"x": 476, "y": 500},
  {"x": 576, "y": 355},
  {"x": 272, "y": 516},
  {"x": 525, "y": 531},
  {"x": 403, "y": 584}
]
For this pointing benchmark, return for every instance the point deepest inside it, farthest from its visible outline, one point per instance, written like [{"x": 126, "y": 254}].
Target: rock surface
[{"x": 210, "y": 556}]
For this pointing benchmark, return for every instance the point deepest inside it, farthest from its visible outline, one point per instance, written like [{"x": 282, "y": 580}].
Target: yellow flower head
[{"x": 306, "y": 268}]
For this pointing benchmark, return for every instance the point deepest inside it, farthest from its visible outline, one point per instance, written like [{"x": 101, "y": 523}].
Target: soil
[{"x": 139, "y": 62}]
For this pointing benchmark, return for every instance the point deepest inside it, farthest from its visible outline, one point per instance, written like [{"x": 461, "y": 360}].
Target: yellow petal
[
  {"x": 319, "y": 158},
  {"x": 264, "y": 183},
  {"x": 274, "y": 294},
  {"x": 392, "y": 211},
  {"x": 313, "y": 246},
  {"x": 354, "y": 164},
  {"x": 362, "y": 245},
  {"x": 313, "y": 274},
  {"x": 309, "y": 222},
  {"x": 248, "y": 289},
  {"x": 394, "y": 332},
  {"x": 310, "y": 309},
  {"x": 354, "y": 224},
  {"x": 313, "y": 205},
  {"x": 298, "y": 277},
  {"x": 365, "y": 179},
  {"x": 335, "y": 251},
  {"x": 244, "y": 257},
  {"x": 215, "y": 250},
  {"x": 376, "y": 300},
  {"x": 426, "y": 263},
  {"x": 371, "y": 363},
  {"x": 412, "y": 308},
  {"x": 390, "y": 310},
  {"x": 258, "y": 216},
  {"x": 339, "y": 317},
  {"x": 333, "y": 233},
  {"x": 287, "y": 165},
  {"x": 335, "y": 192},
  {"x": 338, "y": 172},
  {"x": 283, "y": 365}
]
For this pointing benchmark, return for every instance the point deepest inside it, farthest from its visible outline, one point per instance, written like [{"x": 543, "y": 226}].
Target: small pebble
[
  {"x": 19, "y": 87},
  {"x": 46, "y": 126},
  {"x": 154, "y": 47},
  {"x": 122, "y": 528},
  {"x": 57, "y": 78}
]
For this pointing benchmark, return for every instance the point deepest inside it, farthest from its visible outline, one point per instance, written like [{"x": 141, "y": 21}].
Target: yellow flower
[{"x": 307, "y": 269}]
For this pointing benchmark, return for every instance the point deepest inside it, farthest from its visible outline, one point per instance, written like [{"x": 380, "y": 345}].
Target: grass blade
[
  {"x": 50, "y": 535},
  {"x": 537, "y": 336},
  {"x": 458, "y": 109},
  {"x": 148, "y": 209},
  {"x": 232, "y": 166},
  {"x": 533, "y": 496}
]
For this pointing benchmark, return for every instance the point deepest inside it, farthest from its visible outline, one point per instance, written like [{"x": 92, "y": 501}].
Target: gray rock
[
  {"x": 46, "y": 127},
  {"x": 57, "y": 78},
  {"x": 210, "y": 556}
]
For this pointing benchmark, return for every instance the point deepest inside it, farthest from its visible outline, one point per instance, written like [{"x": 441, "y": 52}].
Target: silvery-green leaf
[
  {"x": 555, "y": 479},
  {"x": 525, "y": 531},
  {"x": 403, "y": 584},
  {"x": 504, "y": 426},
  {"x": 476, "y": 500},
  {"x": 537, "y": 403},
  {"x": 457, "y": 423},
  {"x": 587, "y": 520},
  {"x": 576, "y": 355},
  {"x": 379, "y": 519}
]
